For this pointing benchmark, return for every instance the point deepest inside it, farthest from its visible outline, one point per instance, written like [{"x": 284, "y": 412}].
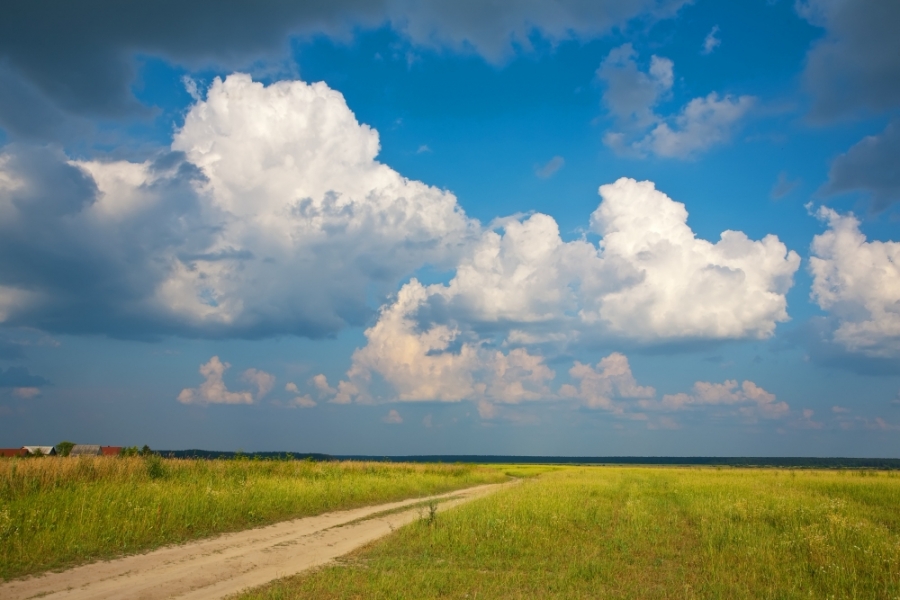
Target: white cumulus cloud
[
  {"x": 300, "y": 400},
  {"x": 214, "y": 391},
  {"x": 649, "y": 279},
  {"x": 320, "y": 382},
  {"x": 675, "y": 285},
  {"x": 296, "y": 179},
  {"x": 438, "y": 361},
  {"x": 263, "y": 381},
  {"x": 858, "y": 282},
  {"x": 603, "y": 385},
  {"x": 522, "y": 289}
]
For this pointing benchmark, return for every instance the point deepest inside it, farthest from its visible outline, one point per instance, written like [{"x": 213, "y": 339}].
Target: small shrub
[
  {"x": 155, "y": 467},
  {"x": 64, "y": 448}
]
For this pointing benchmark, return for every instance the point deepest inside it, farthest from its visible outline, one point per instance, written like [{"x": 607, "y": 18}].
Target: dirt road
[{"x": 225, "y": 565}]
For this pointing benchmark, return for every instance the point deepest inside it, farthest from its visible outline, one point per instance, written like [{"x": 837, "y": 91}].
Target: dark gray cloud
[
  {"x": 871, "y": 166},
  {"x": 10, "y": 351},
  {"x": 15, "y": 377},
  {"x": 80, "y": 276},
  {"x": 27, "y": 113},
  {"x": 856, "y": 66},
  {"x": 61, "y": 58}
]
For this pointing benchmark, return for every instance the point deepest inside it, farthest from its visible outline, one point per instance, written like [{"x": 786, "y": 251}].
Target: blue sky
[{"x": 375, "y": 228}]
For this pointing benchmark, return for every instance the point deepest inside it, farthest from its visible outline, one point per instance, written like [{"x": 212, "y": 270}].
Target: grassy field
[
  {"x": 611, "y": 532},
  {"x": 56, "y": 512}
]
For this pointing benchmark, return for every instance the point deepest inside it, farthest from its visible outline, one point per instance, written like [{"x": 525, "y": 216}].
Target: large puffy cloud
[
  {"x": 858, "y": 282},
  {"x": 856, "y": 66},
  {"x": 271, "y": 216},
  {"x": 306, "y": 202},
  {"x": 631, "y": 95},
  {"x": 79, "y": 59},
  {"x": 869, "y": 166},
  {"x": 676, "y": 286},
  {"x": 650, "y": 280}
]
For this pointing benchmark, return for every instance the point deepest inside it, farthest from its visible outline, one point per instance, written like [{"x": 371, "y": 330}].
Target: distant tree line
[{"x": 727, "y": 461}]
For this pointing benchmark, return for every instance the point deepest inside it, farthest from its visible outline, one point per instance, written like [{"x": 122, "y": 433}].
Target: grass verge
[
  {"x": 56, "y": 513},
  {"x": 603, "y": 532}
]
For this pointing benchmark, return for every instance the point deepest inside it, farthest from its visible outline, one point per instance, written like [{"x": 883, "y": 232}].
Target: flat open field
[
  {"x": 58, "y": 512},
  {"x": 612, "y": 532}
]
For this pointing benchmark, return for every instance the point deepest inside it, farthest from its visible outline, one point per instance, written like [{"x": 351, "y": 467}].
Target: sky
[{"x": 641, "y": 227}]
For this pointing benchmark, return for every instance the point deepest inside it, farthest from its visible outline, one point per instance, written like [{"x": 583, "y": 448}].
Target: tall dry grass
[{"x": 56, "y": 512}]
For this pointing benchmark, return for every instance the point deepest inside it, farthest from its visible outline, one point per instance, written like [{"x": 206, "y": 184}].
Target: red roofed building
[
  {"x": 10, "y": 452},
  {"x": 110, "y": 450}
]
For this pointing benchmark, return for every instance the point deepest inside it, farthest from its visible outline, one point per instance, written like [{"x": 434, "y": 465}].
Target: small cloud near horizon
[{"x": 392, "y": 418}]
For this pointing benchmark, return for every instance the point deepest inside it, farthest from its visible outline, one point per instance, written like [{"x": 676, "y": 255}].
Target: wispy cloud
[
  {"x": 711, "y": 42},
  {"x": 550, "y": 168},
  {"x": 783, "y": 186}
]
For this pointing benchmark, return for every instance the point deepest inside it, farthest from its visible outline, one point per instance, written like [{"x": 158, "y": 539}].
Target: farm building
[
  {"x": 94, "y": 450},
  {"x": 42, "y": 450},
  {"x": 10, "y": 452}
]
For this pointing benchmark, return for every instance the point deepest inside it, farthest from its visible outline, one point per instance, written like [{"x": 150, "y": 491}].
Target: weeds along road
[{"x": 227, "y": 564}]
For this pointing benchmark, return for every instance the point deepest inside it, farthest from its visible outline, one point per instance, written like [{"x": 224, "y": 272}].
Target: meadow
[
  {"x": 58, "y": 512},
  {"x": 633, "y": 532}
]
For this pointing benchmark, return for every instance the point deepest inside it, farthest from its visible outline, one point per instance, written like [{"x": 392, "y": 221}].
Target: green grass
[
  {"x": 57, "y": 512},
  {"x": 610, "y": 532}
]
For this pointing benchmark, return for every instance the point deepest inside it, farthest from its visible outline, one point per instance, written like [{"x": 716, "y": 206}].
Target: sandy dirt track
[{"x": 225, "y": 565}]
